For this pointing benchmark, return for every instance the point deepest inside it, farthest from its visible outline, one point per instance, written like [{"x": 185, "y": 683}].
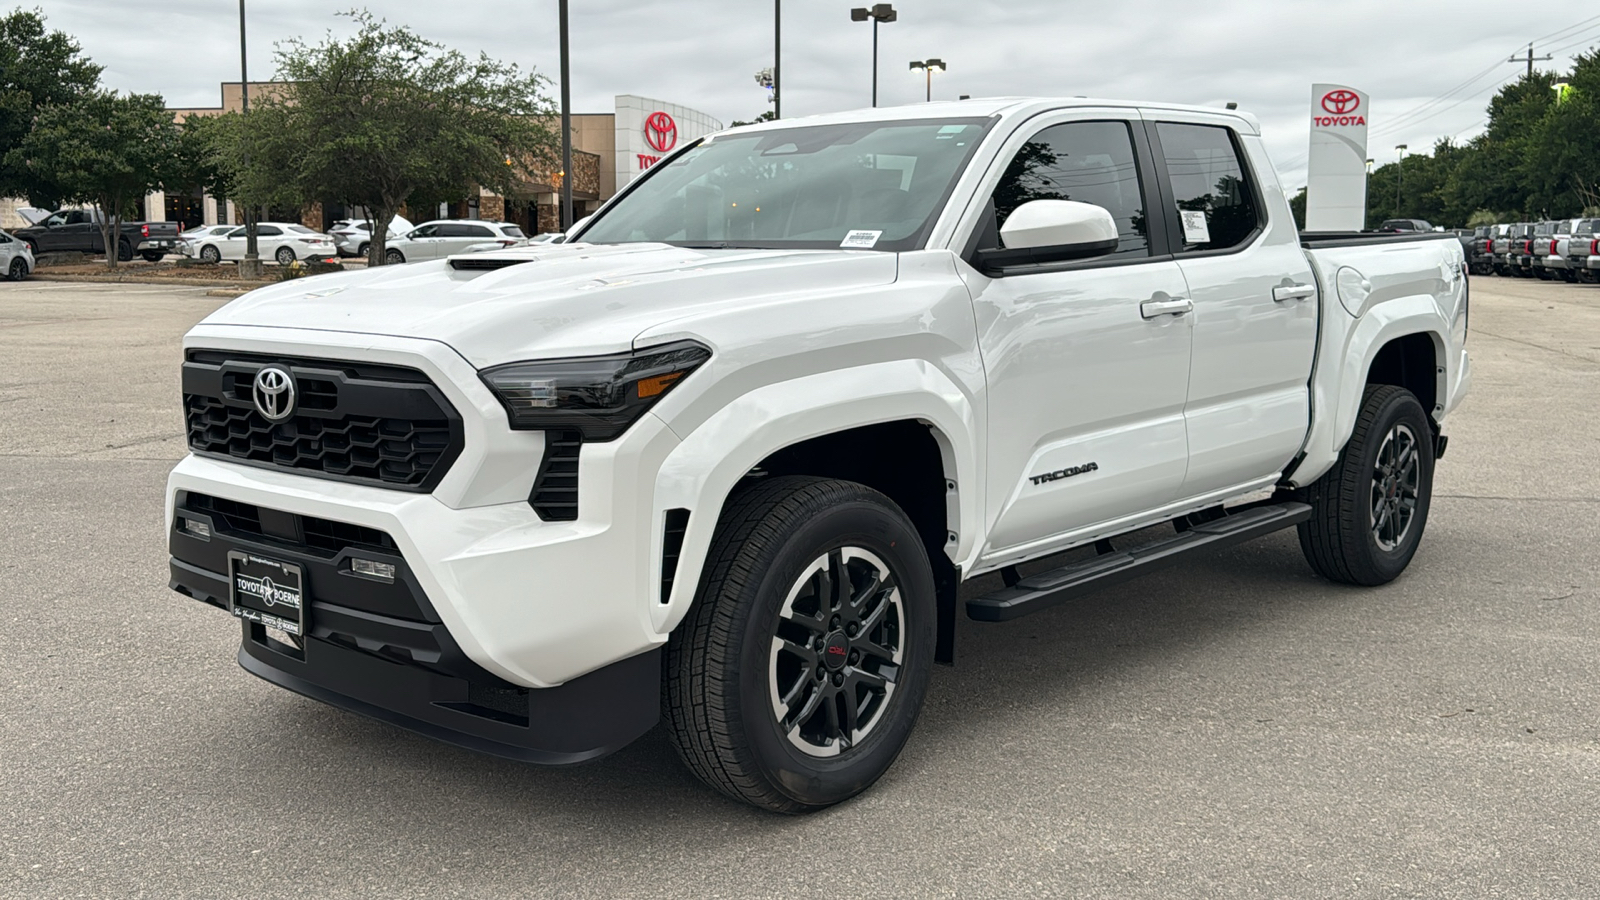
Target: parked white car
[
  {"x": 189, "y": 241},
  {"x": 438, "y": 239},
  {"x": 284, "y": 242},
  {"x": 16, "y": 258},
  {"x": 352, "y": 236}
]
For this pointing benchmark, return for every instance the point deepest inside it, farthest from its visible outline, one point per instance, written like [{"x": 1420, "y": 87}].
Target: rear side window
[
  {"x": 474, "y": 231},
  {"x": 268, "y": 231},
  {"x": 1090, "y": 162},
  {"x": 1208, "y": 182},
  {"x": 511, "y": 231}
]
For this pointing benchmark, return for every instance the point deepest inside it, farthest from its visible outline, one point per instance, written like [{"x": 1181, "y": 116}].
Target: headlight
[{"x": 598, "y": 395}]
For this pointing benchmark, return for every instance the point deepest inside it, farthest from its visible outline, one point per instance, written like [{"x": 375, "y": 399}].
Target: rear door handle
[
  {"x": 1293, "y": 292},
  {"x": 1176, "y": 306}
]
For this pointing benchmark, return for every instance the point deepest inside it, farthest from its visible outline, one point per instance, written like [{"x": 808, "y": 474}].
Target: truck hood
[
  {"x": 549, "y": 300},
  {"x": 32, "y": 214}
]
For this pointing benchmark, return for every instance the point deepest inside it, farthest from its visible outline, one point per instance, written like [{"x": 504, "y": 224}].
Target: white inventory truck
[{"x": 725, "y": 457}]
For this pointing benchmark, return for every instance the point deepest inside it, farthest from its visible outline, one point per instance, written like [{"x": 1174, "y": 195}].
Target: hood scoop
[{"x": 484, "y": 264}]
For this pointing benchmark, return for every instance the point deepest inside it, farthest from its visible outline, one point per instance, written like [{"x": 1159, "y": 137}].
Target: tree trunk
[
  {"x": 107, "y": 234},
  {"x": 378, "y": 249}
]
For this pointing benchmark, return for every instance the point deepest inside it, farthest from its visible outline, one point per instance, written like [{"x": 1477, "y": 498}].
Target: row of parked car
[
  {"x": 287, "y": 242},
  {"x": 1565, "y": 249}
]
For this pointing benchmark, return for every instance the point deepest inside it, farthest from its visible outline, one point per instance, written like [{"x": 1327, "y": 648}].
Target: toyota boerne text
[{"x": 724, "y": 458}]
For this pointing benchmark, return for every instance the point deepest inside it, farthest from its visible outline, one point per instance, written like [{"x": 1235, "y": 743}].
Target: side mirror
[{"x": 1044, "y": 231}]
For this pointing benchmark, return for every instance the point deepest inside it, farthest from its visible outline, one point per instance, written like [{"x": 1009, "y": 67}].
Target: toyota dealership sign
[
  {"x": 1336, "y": 173},
  {"x": 648, "y": 130}
]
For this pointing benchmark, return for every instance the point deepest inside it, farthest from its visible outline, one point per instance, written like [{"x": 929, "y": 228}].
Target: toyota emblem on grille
[{"x": 273, "y": 393}]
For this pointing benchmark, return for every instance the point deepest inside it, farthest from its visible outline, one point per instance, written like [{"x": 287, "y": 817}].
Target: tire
[
  {"x": 152, "y": 256},
  {"x": 284, "y": 256},
  {"x": 394, "y": 257},
  {"x": 1368, "y": 512},
  {"x": 18, "y": 270},
  {"x": 361, "y": 251},
  {"x": 1569, "y": 276},
  {"x": 745, "y": 643},
  {"x": 210, "y": 254},
  {"x": 124, "y": 251}
]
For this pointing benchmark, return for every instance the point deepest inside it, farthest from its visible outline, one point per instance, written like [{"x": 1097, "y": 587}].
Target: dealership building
[{"x": 609, "y": 149}]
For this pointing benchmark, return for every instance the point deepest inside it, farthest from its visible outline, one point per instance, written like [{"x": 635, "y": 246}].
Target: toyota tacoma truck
[{"x": 725, "y": 459}]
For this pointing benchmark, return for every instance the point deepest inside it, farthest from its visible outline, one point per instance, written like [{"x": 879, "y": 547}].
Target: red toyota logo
[
  {"x": 1341, "y": 102},
  {"x": 660, "y": 132}
]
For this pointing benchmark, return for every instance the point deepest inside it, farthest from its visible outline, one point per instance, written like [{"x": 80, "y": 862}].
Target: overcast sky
[{"x": 1265, "y": 54}]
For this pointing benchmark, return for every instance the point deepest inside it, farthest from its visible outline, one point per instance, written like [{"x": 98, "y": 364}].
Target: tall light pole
[
  {"x": 880, "y": 12},
  {"x": 927, "y": 66},
  {"x": 777, "y": 57},
  {"x": 1399, "y": 175},
  {"x": 566, "y": 125},
  {"x": 250, "y": 266}
]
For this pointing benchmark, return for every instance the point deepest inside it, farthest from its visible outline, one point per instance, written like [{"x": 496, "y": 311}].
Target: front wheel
[
  {"x": 1369, "y": 510},
  {"x": 210, "y": 254},
  {"x": 796, "y": 679},
  {"x": 394, "y": 257}
]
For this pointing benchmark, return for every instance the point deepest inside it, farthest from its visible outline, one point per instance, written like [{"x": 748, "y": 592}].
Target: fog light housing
[
  {"x": 371, "y": 568},
  {"x": 197, "y": 528}
]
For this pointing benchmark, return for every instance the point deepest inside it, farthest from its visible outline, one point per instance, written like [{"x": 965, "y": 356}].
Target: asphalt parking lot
[{"x": 1236, "y": 727}]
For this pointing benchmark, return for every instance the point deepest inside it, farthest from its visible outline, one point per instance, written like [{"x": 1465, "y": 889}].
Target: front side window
[
  {"x": 1218, "y": 208},
  {"x": 1090, "y": 162},
  {"x": 867, "y": 185},
  {"x": 425, "y": 231}
]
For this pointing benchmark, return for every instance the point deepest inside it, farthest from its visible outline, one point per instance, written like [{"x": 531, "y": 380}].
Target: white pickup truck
[{"x": 726, "y": 456}]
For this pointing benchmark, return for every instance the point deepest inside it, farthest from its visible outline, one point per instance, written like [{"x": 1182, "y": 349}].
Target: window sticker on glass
[
  {"x": 860, "y": 240},
  {"x": 1195, "y": 229},
  {"x": 949, "y": 131}
]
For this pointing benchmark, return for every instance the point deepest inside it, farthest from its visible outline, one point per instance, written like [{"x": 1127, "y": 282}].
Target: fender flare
[{"x": 702, "y": 471}]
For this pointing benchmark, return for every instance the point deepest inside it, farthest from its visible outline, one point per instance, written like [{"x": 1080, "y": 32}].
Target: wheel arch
[{"x": 910, "y": 433}]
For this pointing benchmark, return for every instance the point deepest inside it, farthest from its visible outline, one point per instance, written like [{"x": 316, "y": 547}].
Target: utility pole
[
  {"x": 777, "y": 57},
  {"x": 1530, "y": 59},
  {"x": 1399, "y": 176},
  {"x": 250, "y": 266},
  {"x": 566, "y": 126}
]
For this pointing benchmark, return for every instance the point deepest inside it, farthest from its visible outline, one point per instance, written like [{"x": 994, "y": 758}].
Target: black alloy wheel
[
  {"x": 18, "y": 270},
  {"x": 1368, "y": 512},
  {"x": 284, "y": 256},
  {"x": 210, "y": 254},
  {"x": 795, "y": 679},
  {"x": 836, "y": 653}
]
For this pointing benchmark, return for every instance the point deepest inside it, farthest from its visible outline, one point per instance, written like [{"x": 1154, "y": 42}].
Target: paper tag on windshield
[
  {"x": 1195, "y": 230},
  {"x": 861, "y": 240}
]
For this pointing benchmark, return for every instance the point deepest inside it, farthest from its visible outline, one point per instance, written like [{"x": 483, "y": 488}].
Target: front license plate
[{"x": 267, "y": 592}]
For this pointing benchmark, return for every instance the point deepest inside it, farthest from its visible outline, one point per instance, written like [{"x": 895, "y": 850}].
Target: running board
[{"x": 1057, "y": 586}]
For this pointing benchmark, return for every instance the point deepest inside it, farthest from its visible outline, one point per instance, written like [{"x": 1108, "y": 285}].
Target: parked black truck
[{"x": 79, "y": 230}]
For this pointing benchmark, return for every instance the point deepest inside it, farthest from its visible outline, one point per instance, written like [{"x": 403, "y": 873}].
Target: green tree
[
  {"x": 767, "y": 116},
  {"x": 1297, "y": 206},
  {"x": 38, "y": 68},
  {"x": 106, "y": 149},
  {"x": 388, "y": 118}
]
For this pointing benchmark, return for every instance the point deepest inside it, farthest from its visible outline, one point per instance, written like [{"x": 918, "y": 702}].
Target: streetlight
[
  {"x": 927, "y": 66},
  {"x": 1369, "y": 165},
  {"x": 880, "y": 12},
  {"x": 1400, "y": 172},
  {"x": 250, "y": 266}
]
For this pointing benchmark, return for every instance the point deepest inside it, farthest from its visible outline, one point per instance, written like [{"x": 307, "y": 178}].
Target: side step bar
[{"x": 1057, "y": 586}]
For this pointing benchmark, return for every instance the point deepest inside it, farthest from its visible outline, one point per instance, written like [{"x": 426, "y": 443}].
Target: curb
[{"x": 180, "y": 282}]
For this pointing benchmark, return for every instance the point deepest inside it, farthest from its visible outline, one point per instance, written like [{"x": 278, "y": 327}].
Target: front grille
[{"x": 371, "y": 424}]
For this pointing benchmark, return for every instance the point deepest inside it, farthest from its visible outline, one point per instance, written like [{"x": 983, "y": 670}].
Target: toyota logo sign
[
  {"x": 660, "y": 132},
  {"x": 273, "y": 393},
  {"x": 1341, "y": 102}
]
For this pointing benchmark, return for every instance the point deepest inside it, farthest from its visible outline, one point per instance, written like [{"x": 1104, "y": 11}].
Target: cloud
[{"x": 1264, "y": 54}]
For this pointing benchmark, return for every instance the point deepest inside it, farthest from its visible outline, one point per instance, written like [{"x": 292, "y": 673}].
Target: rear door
[
  {"x": 1255, "y": 303},
  {"x": 1087, "y": 363}
]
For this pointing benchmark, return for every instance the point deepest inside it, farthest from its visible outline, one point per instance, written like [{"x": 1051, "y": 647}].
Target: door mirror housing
[{"x": 1044, "y": 231}]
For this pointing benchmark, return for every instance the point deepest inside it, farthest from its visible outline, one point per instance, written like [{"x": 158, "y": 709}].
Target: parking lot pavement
[{"x": 1235, "y": 727}]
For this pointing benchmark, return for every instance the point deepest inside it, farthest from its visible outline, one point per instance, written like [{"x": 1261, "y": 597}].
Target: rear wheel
[
  {"x": 284, "y": 256},
  {"x": 18, "y": 270},
  {"x": 1369, "y": 510},
  {"x": 124, "y": 251},
  {"x": 362, "y": 250},
  {"x": 152, "y": 255},
  {"x": 795, "y": 680}
]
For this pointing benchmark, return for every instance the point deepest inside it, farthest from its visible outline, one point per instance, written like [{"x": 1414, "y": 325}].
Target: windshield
[{"x": 869, "y": 185}]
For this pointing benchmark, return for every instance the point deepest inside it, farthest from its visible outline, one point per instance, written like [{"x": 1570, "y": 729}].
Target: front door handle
[
  {"x": 1293, "y": 292},
  {"x": 1176, "y": 306}
]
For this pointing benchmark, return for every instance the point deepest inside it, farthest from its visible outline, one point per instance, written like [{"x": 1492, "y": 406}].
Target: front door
[
  {"x": 1255, "y": 307},
  {"x": 1087, "y": 375}
]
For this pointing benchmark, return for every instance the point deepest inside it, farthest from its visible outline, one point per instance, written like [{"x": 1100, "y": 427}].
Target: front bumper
[{"x": 379, "y": 648}]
